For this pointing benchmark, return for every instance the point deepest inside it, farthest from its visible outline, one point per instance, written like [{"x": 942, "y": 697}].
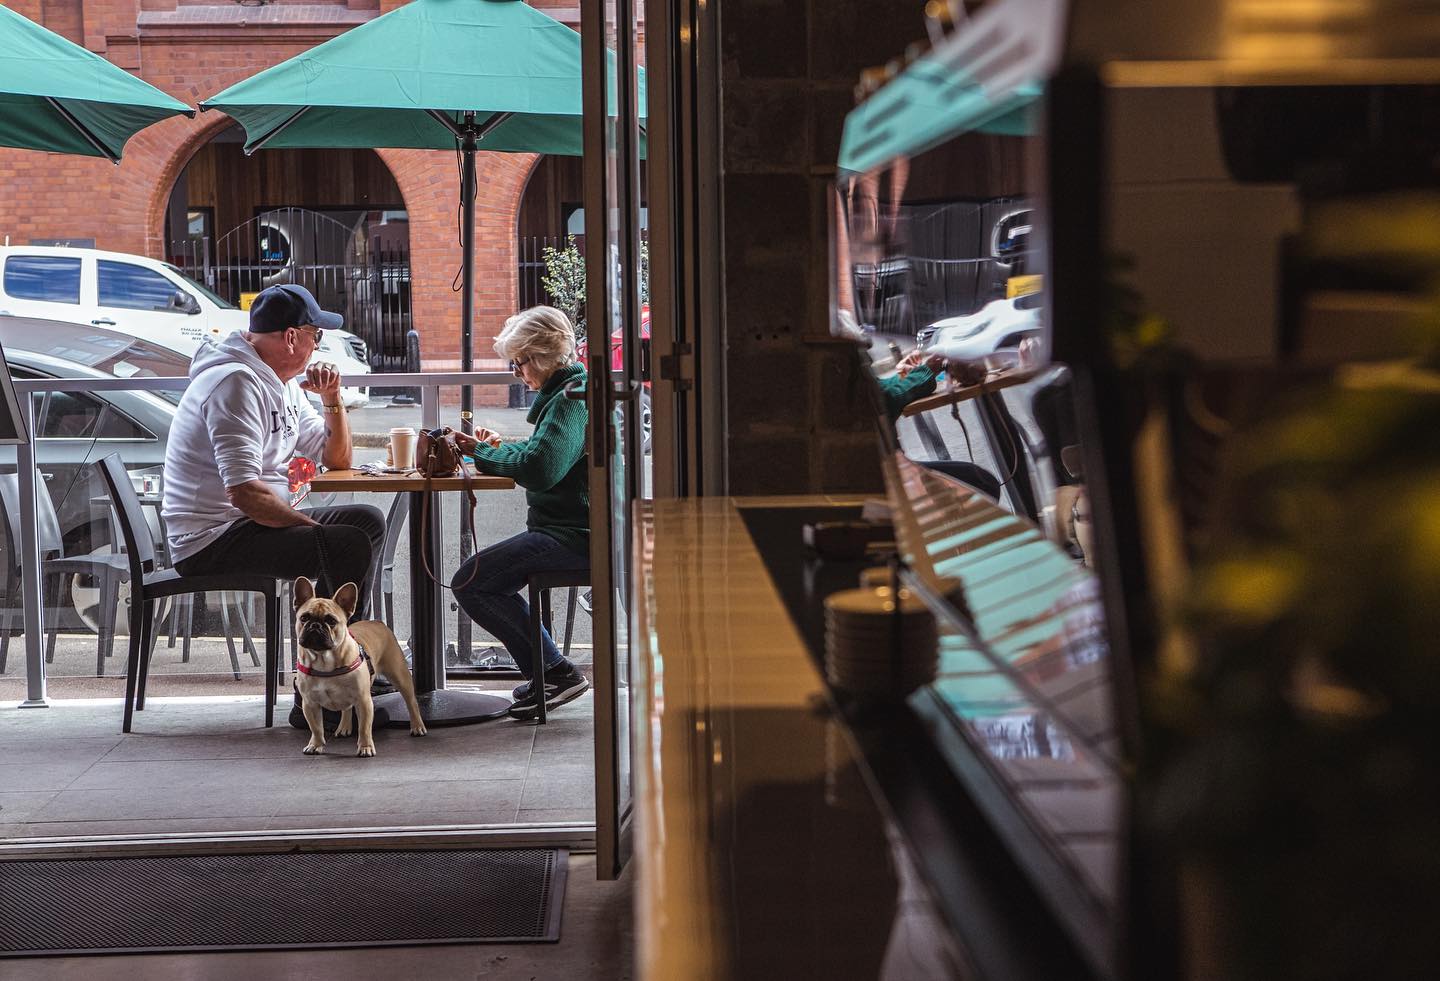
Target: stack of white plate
[{"x": 877, "y": 643}]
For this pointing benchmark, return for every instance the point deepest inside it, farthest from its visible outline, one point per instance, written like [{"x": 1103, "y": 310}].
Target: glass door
[{"x": 618, "y": 401}]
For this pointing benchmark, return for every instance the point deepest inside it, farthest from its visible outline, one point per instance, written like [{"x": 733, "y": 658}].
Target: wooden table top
[
  {"x": 353, "y": 482},
  {"x": 992, "y": 383}
]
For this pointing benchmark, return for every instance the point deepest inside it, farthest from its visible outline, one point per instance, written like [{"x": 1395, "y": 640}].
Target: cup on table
[{"x": 402, "y": 446}]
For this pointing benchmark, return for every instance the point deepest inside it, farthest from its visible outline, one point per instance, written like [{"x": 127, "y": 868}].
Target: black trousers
[{"x": 344, "y": 548}]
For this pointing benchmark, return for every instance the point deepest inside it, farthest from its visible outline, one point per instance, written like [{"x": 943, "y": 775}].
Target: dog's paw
[
  {"x": 344, "y": 729},
  {"x": 366, "y": 750},
  {"x": 313, "y": 749},
  {"x": 418, "y": 729}
]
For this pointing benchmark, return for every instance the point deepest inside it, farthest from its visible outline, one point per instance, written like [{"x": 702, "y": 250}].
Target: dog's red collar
[{"x": 364, "y": 658}]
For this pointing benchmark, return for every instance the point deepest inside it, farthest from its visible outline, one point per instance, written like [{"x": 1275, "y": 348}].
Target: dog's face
[{"x": 322, "y": 624}]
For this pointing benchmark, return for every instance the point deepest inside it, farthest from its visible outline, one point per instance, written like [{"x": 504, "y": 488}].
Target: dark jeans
[
  {"x": 341, "y": 550},
  {"x": 493, "y": 598}
]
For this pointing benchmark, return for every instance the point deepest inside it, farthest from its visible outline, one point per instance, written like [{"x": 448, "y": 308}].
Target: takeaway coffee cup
[{"x": 402, "y": 447}]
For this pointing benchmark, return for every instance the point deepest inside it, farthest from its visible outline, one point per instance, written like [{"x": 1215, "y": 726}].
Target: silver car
[{"x": 74, "y": 429}]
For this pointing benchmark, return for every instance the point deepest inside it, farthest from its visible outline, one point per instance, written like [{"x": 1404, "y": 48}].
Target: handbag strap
[{"x": 425, "y": 527}]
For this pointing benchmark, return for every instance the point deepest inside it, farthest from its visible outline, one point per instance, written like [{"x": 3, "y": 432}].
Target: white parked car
[
  {"x": 144, "y": 298},
  {"x": 999, "y": 325}
]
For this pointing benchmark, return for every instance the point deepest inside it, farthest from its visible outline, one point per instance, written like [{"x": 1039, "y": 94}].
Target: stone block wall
[{"x": 797, "y": 418}]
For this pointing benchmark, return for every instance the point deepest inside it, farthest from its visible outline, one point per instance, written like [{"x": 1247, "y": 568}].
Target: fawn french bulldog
[{"x": 338, "y": 661}]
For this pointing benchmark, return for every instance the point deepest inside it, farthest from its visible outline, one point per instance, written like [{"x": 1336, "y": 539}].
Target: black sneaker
[
  {"x": 521, "y": 691},
  {"x": 565, "y": 685},
  {"x": 332, "y": 719}
]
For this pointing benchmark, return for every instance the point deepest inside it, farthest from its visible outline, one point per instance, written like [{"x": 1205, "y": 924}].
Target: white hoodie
[{"x": 237, "y": 422}]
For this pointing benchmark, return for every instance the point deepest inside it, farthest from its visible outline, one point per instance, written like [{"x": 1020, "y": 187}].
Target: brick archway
[{"x": 430, "y": 183}]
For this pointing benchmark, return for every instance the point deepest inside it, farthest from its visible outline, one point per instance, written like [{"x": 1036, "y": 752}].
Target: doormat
[{"x": 295, "y": 900}]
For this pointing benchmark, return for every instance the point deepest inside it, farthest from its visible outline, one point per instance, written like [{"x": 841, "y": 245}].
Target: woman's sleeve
[{"x": 552, "y": 450}]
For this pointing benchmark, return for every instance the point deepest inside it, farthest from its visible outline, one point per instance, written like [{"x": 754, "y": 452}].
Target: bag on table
[{"x": 438, "y": 455}]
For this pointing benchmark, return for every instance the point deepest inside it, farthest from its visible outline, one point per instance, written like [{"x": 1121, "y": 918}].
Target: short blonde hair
[{"x": 542, "y": 333}]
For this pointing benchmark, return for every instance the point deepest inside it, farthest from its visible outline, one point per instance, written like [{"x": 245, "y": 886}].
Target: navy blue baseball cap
[{"x": 282, "y": 307}]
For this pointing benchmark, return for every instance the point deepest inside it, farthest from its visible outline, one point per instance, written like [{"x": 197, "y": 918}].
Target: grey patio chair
[
  {"x": 149, "y": 584},
  {"x": 109, "y": 572}
]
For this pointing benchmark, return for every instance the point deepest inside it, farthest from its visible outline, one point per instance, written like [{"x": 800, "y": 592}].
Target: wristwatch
[{"x": 335, "y": 409}]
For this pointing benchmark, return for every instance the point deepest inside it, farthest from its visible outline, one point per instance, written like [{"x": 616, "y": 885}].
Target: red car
[
  {"x": 617, "y": 353},
  {"x": 617, "y": 363}
]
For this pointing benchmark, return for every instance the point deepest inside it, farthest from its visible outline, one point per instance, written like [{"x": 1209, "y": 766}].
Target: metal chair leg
[
  {"x": 52, "y": 617},
  {"x": 8, "y": 616},
  {"x": 189, "y": 626},
  {"x": 570, "y": 620},
  {"x": 537, "y": 650},
  {"x": 105, "y": 617},
  {"x": 274, "y": 650},
  {"x": 132, "y": 659},
  {"x": 174, "y": 622},
  {"x": 225, "y": 628},
  {"x": 242, "y": 613},
  {"x": 147, "y": 647}
]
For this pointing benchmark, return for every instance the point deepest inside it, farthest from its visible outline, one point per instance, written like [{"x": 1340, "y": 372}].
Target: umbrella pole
[
  {"x": 467, "y": 322},
  {"x": 467, "y": 269}
]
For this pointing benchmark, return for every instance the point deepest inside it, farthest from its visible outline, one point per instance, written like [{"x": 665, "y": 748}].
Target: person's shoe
[
  {"x": 332, "y": 719},
  {"x": 563, "y": 685},
  {"x": 521, "y": 690}
]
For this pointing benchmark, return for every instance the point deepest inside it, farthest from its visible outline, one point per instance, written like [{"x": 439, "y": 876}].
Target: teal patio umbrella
[
  {"x": 57, "y": 96},
  {"x": 433, "y": 74}
]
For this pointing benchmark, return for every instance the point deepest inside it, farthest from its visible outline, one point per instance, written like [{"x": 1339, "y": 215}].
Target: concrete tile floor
[{"x": 201, "y": 764}]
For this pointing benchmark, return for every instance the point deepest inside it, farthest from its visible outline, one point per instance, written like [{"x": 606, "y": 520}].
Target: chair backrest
[
  {"x": 133, "y": 527},
  {"x": 47, "y": 525}
]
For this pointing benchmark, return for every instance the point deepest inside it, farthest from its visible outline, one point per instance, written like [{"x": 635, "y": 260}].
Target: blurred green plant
[
  {"x": 1298, "y": 770},
  {"x": 564, "y": 279}
]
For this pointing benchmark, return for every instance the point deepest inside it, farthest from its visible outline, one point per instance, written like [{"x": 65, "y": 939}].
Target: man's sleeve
[
  {"x": 234, "y": 418},
  {"x": 311, "y": 441}
]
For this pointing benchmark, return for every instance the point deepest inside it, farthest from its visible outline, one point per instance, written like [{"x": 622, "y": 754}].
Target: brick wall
[
  {"x": 796, "y": 417},
  {"x": 123, "y": 208}
]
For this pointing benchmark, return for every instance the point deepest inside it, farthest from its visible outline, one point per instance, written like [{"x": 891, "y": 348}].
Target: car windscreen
[
  {"x": 123, "y": 357},
  {"x": 214, "y": 297}
]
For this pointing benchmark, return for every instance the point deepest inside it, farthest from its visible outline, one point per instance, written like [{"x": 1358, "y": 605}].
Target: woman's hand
[
  {"x": 915, "y": 359},
  {"x": 468, "y": 444}
]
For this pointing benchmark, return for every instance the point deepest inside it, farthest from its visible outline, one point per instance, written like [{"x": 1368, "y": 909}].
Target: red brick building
[{"x": 193, "y": 49}]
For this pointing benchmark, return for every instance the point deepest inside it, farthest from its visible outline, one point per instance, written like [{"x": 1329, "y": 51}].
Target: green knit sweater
[
  {"x": 900, "y": 392},
  {"x": 551, "y": 465}
]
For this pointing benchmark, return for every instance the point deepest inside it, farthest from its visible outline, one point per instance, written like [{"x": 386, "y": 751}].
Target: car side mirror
[{"x": 184, "y": 302}]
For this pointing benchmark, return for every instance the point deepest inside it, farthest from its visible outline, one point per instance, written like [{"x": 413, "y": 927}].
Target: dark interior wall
[
  {"x": 797, "y": 420},
  {"x": 280, "y": 178},
  {"x": 554, "y": 183}
]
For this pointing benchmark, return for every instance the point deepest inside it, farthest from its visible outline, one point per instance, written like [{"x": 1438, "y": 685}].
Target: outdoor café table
[
  {"x": 994, "y": 382},
  {"x": 439, "y": 706}
]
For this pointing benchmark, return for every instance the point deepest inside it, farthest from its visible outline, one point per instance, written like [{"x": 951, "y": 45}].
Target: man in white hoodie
[{"x": 228, "y": 505}]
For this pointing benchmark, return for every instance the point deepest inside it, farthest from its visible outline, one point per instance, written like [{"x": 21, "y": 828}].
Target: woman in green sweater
[{"x": 539, "y": 343}]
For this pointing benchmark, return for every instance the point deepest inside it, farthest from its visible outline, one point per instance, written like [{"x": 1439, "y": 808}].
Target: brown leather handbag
[{"x": 438, "y": 455}]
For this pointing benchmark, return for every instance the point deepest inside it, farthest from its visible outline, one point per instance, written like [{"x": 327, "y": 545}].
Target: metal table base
[{"x": 445, "y": 707}]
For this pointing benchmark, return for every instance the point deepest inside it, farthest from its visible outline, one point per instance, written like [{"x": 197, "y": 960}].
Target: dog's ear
[
  {"x": 304, "y": 592},
  {"x": 346, "y": 597}
]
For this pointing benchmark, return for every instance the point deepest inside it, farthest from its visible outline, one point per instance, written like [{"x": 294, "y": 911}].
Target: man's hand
[{"x": 323, "y": 379}]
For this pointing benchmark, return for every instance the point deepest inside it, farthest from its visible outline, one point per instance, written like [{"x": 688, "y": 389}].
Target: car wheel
[{"x": 81, "y": 593}]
